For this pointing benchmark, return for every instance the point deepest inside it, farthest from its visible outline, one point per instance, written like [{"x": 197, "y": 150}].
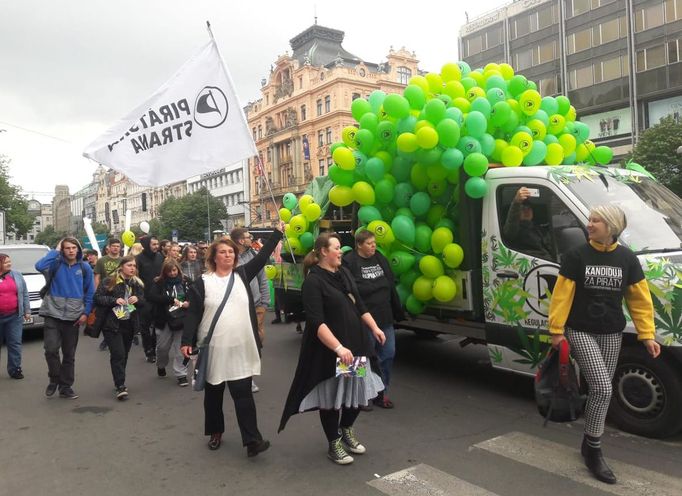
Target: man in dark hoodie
[
  {"x": 149, "y": 264},
  {"x": 66, "y": 306}
]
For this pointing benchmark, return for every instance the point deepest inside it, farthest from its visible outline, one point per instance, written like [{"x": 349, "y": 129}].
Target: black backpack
[{"x": 557, "y": 388}]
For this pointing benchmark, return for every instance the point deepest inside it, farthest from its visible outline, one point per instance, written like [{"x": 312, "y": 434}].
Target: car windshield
[
  {"x": 653, "y": 212},
  {"x": 24, "y": 259}
]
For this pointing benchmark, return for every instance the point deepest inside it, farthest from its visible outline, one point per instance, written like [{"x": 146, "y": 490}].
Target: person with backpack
[
  {"x": 587, "y": 310},
  {"x": 149, "y": 264},
  {"x": 169, "y": 297},
  {"x": 118, "y": 299},
  {"x": 67, "y": 302}
]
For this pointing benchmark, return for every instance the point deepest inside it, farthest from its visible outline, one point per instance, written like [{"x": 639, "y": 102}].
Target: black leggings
[{"x": 330, "y": 421}]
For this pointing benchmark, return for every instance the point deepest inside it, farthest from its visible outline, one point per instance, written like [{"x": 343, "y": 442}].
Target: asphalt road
[{"x": 459, "y": 427}]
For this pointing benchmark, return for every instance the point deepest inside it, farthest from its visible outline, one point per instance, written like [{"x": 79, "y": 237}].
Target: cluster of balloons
[
  {"x": 402, "y": 163},
  {"x": 299, "y": 227}
]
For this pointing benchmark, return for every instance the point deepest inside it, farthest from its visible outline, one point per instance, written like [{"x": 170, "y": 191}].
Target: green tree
[
  {"x": 17, "y": 218},
  {"x": 189, "y": 216},
  {"x": 49, "y": 237},
  {"x": 656, "y": 151}
]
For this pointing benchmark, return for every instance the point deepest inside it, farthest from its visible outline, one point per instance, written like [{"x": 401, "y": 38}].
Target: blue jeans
[
  {"x": 386, "y": 354},
  {"x": 11, "y": 329}
]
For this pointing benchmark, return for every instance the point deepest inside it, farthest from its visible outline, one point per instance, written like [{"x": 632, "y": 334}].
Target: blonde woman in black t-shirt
[{"x": 587, "y": 310}]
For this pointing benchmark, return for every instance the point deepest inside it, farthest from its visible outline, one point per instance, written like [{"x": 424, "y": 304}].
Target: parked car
[{"x": 24, "y": 258}]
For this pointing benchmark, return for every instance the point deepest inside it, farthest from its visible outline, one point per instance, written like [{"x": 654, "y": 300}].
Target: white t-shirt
[{"x": 233, "y": 353}]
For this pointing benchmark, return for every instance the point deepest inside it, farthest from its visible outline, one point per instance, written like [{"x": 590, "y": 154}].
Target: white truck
[{"x": 504, "y": 285}]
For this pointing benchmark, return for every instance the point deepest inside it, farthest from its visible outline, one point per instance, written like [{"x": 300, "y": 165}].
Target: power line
[{"x": 37, "y": 132}]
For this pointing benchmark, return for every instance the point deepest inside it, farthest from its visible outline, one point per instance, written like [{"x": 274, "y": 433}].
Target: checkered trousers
[{"x": 597, "y": 356}]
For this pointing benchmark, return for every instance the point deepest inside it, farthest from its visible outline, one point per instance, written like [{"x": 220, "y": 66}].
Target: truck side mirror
[{"x": 569, "y": 238}]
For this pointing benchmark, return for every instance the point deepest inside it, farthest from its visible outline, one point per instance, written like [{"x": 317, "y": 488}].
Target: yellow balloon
[
  {"x": 304, "y": 201},
  {"x": 270, "y": 271},
  {"x": 285, "y": 214},
  {"x": 454, "y": 89},
  {"x": 348, "y": 136},
  {"x": 128, "y": 238},
  {"x": 299, "y": 224},
  {"x": 478, "y": 77},
  {"x": 507, "y": 71},
  {"x": 568, "y": 143},
  {"x": 450, "y": 72},
  {"x": 341, "y": 196},
  {"x": 427, "y": 138},
  {"x": 407, "y": 142},
  {"x": 421, "y": 82},
  {"x": 475, "y": 93},
  {"x": 289, "y": 231},
  {"x": 363, "y": 193},
  {"x": 435, "y": 82},
  {"x": 555, "y": 154},
  {"x": 312, "y": 212},
  {"x": 512, "y": 156},
  {"x": 344, "y": 158}
]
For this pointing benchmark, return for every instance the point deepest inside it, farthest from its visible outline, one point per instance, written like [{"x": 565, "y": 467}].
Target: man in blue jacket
[{"x": 65, "y": 307}]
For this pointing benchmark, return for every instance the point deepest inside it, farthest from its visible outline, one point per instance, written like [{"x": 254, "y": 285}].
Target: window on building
[
  {"x": 673, "y": 51},
  {"x": 607, "y": 70},
  {"x": 329, "y": 136},
  {"x": 355, "y": 96},
  {"x": 493, "y": 37},
  {"x": 267, "y": 99},
  {"x": 260, "y": 131},
  {"x": 547, "y": 16},
  {"x": 655, "y": 57},
  {"x": 673, "y": 10},
  {"x": 474, "y": 45},
  {"x": 269, "y": 154},
  {"x": 321, "y": 164},
  {"x": 404, "y": 74},
  {"x": 606, "y": 32},
  {"x": 547, "y": 52},
  {"x": 320, "y": 138},
  {"x": 303, "y": 113},
  {"x": 319, "y": 106},
  {"x": 521, "y": 26},
  {"x": 580, "y": 40},
  {"x": 649, "y": 17},
  {"x": 524, "y": 59},
  {"x": 300, "y": 82},
  {"x": 327, "y": 104},
  {"x": 580, "y": 78},
  {"x": 254, "y": 134},
  {"x": 330, "y": 162},
  {"x": 581, "y": 6}
]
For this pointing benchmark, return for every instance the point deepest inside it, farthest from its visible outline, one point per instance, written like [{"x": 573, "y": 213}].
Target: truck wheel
[{"x": 646, "y": 394}]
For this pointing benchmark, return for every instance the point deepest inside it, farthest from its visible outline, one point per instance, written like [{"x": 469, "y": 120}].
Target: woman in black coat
[
  {"x": 118, "y": 299},
  {"x": 234, "y": 349},
  {"x": 334, "y": 333},
  {"x": 168, "y": 295}
]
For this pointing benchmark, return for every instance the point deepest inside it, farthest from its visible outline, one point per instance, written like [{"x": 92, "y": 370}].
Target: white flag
[{"x": 191, "y": 125}]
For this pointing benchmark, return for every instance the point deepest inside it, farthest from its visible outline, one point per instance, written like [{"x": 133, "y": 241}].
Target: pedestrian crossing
[{"x": 557, "y": 459}]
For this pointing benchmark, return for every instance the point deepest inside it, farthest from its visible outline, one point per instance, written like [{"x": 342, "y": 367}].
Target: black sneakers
[
  {"x": 17, "y": 374},
  {"x": 350, "y": 442},
  {"x": 252, "y": 449},
  {"x": 67, "y": 393},
  {"x": 51, "y": 389},
  {"x": 182, "y": 381},
  {"x": 161, "y": 371},
  {"x": 338, "y": 454},
  {"x": 121, "y": 393}
]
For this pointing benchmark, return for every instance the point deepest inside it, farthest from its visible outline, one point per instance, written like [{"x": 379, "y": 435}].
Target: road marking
[
  {"x": 565, "y": 461},
  {"x": 424, "y": 480}
]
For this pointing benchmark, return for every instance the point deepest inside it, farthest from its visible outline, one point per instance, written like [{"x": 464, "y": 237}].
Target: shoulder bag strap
[{"x": 219, "y": 310}]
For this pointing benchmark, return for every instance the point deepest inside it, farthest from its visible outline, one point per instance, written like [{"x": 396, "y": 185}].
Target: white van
[{"x": 24, "y": 258}]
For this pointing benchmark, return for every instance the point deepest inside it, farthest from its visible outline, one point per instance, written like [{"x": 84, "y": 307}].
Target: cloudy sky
[{"x": 70, "y": 68}]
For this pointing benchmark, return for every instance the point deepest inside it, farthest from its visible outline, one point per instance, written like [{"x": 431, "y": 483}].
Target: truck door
[{"x": 521, "y": 252}]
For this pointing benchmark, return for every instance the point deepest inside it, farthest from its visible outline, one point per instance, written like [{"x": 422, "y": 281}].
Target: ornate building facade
[{"x": 305, "y": 104}]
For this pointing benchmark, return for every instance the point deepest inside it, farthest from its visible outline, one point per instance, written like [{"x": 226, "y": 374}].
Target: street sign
[
  {"x": 174, "y": 235},
  {"x": 101, "y": 241}
]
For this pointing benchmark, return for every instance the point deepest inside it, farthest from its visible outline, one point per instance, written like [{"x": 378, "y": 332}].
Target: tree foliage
[
  {"x": 49, "y": 237},
  {"x": 189, "y": 216},
  {"x": 17, "y": 218},
  {"x": 657, "y": 152}
]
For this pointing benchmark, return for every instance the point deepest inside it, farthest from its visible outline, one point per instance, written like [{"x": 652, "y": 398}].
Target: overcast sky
[{"x": 70, "y": 69}]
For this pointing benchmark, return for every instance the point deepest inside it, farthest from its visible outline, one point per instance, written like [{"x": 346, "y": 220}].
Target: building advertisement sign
[
  {"x": 608, "y": 124},
  {"x": 664, "y": 108}
]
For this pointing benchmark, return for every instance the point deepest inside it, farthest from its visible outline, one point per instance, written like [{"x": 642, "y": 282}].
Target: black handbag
[
  {"x": 201, "y": 366},
  {"x": 557, "y": 388}
]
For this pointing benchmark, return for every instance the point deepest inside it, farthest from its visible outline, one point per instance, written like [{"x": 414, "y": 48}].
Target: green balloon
[
  {"x": 563, "y": 104},
  {"x": 453, "y": 255},
  {"x": 517, "y": 85},
  {"x": 368, "y": 213},
  {"x": 376, "y": 100},
  {"x": 476, "y": 187},
  {"x": 403, "y": 229},
  {"x": 385, "y": 191},
  {"x": 468, "y": 145},
  {"x": 422, "y": 238},
  {"x": 549, "y": 105},
  {"x": 396, "y": 106},
  {"x": 495, "y": 95},
  {"x": 420, "y": 203},
  {"x": 487, "y": 144},
  {"x": 436, "y": 187},
  {"x": 403, "y": 193},
  {"x": 406, "y": 212},
  {"x": 415, "y": 96},
  {"x": 374, "y": 169},
  {"x": 481, "y": 105},
  {"x": 401, "y": 262},
  {"x": 537, "y": 153},
  {"x": 434, "y": 214},
  {"x": 401, "y": 169},
  {"x": 455, "y": 114},
  {"x": 475, "y": 164},
  {"x": 386, "y": 132},
  {"x": 338, "y": 144},
  {"x": 407, "y": 278},
  {"x": 475, "y": 124},
  {"x": 446, "y": 223},
  {"x": 365, "y": 140},
  {"x": 360, "y": 107},
  {"x": 419, "y": 177},
  {"x": 448, "y": 133},
  {"x": 289, "y": 201},
  {"x": 369, "y": 121},
  {"x": 403, "y": 293},
  {"x": 407, "y": 124},
  {"x": 413, "y": 305},
  {"x": 434, "y": 110},
  {"x": 341, "y": 176},
  {"x": 428, "y": 157},
  {"x": 468, "y": 83},
  {"x": 307, "y": 239},
  {"x": 452, "y": 159}
]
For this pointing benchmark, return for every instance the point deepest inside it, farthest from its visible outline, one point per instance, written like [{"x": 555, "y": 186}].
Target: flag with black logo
[{"x": 191, "y": 125}]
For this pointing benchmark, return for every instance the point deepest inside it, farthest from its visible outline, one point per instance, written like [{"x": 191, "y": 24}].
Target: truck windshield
[
  {"x": 24, "y": 259},
  {"x": 653, "y": 212}
]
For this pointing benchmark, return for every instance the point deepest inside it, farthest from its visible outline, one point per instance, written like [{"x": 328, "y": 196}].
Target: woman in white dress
[{"x": 234, "y": 349}]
